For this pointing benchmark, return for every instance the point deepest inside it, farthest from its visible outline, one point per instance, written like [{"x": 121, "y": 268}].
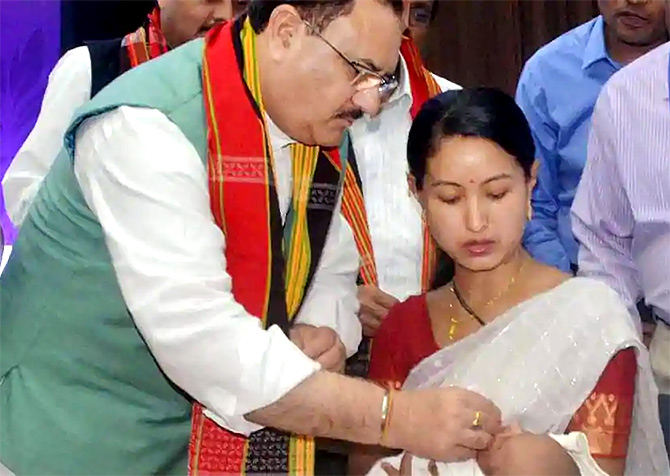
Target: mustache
[
  {"x": 351, "y": 114},
  {"x": 209, "y": 25}
]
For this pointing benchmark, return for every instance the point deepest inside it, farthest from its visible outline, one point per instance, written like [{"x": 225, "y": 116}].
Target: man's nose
[{"x": 368, "y": 100}]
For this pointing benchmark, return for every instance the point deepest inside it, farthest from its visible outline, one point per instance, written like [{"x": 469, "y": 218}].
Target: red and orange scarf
[
  {"x": 147, "y": 42},
  {"x": 271, "y": 272}
]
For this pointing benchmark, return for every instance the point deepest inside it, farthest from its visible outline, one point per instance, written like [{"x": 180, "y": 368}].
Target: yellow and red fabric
[{"x": 147, "y": 42}]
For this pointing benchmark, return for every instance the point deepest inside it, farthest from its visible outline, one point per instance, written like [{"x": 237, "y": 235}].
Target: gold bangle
[{"x": 387, "y": 406}]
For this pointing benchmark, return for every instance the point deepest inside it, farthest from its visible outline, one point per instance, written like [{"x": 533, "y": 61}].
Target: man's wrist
[{"x": 398, "y": 421}]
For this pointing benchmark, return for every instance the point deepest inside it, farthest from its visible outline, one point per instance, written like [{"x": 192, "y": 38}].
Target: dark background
[
  {"x": 84, "y": 20},
  {"x": 486, "y": 42},
  {"x": 473, "y": 42}
]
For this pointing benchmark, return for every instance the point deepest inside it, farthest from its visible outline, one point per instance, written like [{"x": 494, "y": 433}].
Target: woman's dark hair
[
  {"x": 318, "y": 12},
  {"x": 478, "y": 112}
]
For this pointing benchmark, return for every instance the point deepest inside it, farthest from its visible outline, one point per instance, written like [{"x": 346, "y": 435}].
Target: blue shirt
[{"x": 557, "y": 91}]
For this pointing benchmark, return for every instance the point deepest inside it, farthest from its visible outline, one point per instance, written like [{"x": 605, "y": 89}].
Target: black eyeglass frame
[{"x": 386, "y": 84}]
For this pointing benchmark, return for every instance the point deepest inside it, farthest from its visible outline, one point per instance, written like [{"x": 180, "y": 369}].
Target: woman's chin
[{"x": 479, "y": 264}]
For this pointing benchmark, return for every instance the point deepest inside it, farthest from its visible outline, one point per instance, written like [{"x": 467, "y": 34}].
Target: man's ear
[{"x": 284, "y": 29}]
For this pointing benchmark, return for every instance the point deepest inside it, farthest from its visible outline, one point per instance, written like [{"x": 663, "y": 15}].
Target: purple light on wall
[{"x": 29, "y": 49}]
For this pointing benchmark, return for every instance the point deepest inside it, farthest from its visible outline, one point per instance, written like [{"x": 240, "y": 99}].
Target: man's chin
[
  {"x": 332, "y": 137},
  {"x": 636, "y": 39}
]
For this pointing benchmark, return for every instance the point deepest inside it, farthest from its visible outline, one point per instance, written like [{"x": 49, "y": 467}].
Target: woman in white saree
[{"x": 560, "y": 356}]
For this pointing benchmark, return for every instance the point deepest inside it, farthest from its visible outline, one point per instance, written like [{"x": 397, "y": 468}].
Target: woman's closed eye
[
  {"x": 449, "y": 200},
  {"x": 497, "y": 195}
]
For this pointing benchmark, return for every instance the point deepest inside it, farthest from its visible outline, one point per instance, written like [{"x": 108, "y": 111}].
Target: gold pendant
[{"x": 452, "y": 328}]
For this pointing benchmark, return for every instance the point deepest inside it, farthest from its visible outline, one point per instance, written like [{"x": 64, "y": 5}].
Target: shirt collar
[
  {"x": 404, "y": 87},
  {"x": 402, "y": 93},
  {"x": 278, "y": 138},
  {"x": 595, "y": 49}
]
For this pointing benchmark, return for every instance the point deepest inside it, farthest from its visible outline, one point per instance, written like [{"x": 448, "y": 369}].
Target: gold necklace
[
  {"x": 463, "y": 303},
  {"x": 504, "y": 291},
  {"x": 452, "y": 319}
]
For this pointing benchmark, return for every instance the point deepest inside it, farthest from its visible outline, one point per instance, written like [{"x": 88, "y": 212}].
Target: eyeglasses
[{"x": 365, "y": 79}]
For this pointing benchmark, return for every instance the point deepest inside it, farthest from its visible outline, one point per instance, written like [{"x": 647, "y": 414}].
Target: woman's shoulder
[
  {"x": 592, "y": 289},
  {"x": 546, "y": 278},
  {"x": 587, "y": 303},
  {"x": 553, "y": 282}
]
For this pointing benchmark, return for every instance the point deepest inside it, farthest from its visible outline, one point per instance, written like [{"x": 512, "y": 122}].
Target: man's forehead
[
  {"x": 377, "y": 56},
  {"x": 373, "y": 43}
]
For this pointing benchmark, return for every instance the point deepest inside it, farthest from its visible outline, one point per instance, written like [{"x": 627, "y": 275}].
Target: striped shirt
[{"x": 621, "y": 212}]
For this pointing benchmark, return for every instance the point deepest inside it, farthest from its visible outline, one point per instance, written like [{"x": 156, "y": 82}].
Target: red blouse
[{"x": 406, "y": 337}]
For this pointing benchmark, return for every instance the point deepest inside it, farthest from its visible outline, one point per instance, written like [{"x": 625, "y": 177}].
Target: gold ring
[{"x": 477, "y": 421}]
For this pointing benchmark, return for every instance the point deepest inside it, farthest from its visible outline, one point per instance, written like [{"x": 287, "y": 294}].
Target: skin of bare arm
[{"x": 431, "y": 423}]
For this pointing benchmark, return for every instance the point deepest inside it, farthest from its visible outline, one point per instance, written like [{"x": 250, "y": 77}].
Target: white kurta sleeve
[
  {"x": 148, "y": 187},
  {"x": 445, "y": 84},
  {"x": 69, "y": 87}
]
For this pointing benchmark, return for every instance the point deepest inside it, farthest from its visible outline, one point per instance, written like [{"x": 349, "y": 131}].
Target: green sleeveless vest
[{"x": 80, "y": 391}]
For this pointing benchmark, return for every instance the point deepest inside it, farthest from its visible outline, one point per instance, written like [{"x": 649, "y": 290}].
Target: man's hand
[
  {"x": 375, "y": 304},
  {"x": 439, "y": 424},
  {"x": 321, "y": 344}
]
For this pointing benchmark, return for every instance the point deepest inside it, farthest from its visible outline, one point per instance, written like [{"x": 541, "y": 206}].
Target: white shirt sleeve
[
  {"x": 445, "y": 84},
  {"x": 69, "y": 87},
  {"x": 148, "y": 187}
]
